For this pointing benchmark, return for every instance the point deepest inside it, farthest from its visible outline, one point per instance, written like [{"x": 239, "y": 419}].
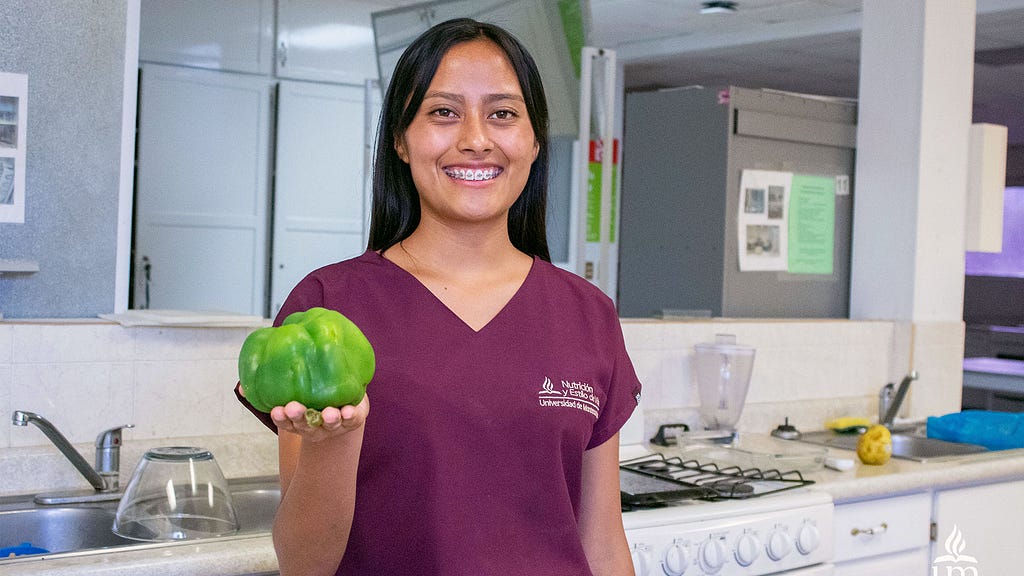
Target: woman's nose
[{"x": 474, "y": 135}]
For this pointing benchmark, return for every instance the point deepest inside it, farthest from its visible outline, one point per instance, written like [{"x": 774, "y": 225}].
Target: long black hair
[{"x": 396, "y": 206}]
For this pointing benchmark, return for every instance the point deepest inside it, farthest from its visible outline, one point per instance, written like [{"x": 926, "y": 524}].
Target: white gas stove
[{"x": 787, "y": 532}]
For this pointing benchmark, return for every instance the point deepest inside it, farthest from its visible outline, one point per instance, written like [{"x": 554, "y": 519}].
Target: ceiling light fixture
[{"x": 718, "y": 7}]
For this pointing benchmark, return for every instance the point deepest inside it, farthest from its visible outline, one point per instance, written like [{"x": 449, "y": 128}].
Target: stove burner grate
[{"x": 655, "y": 480}]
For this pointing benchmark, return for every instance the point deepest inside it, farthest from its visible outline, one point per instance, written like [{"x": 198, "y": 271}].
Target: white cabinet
[
  {"x": 320, "y": 211},
  {"x": 883, "y": 537},
  {"x": 317, "y": 40},
  {"x": 236, "y": 36},
  {"x": 217, "y": 121},
  {"x": 203, "y": 222},
  {"x": 973, "y": 530},
  {"x": 203, "y": 190},
  {"x": 326, "y": 40},
  {"x": 907, "y": 563},
  {"x": 980, "y": 527}
]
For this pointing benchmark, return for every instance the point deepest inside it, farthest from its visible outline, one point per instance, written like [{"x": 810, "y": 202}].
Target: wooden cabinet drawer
[{"x": 883, "y": 526}]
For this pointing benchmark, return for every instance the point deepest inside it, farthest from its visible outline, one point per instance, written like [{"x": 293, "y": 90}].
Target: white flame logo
[
  {"x": 955, "y": 545},
  {"x": 548, "y": 387}
]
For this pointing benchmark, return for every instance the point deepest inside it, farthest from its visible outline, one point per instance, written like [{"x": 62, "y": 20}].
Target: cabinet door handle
[
  {"x": 880, "y": 529},
  {"x": 282, "y": 54}
]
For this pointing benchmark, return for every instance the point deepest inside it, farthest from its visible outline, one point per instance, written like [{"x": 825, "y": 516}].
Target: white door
[
  {"x": 978, "y": 530},
  {"x": 319, "y": 204},
  {"x": 201, "y": 226}
]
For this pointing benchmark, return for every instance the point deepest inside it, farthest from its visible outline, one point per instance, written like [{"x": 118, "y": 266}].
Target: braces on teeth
[{"x": 478, "y": 174}]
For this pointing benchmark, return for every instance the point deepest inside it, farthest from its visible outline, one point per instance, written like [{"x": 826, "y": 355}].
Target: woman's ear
[{"x": 400, "y": 150}]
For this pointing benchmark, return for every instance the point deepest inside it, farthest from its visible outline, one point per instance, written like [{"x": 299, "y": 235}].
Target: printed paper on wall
[
  {"x": 762, "y": 225},
  {"x": 13, "y": 111},
  {"x": 812, "y": 209}
]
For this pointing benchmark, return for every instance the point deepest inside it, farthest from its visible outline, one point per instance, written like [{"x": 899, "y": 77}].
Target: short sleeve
[{"x": 623, "y": 391}]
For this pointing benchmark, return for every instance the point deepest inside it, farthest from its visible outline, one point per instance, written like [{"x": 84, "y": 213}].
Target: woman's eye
[
  {"x": 443, "y": 112},
  {"x": 505, "y": 115}
]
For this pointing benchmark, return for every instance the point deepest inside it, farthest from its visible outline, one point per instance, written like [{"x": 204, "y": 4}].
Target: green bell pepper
[{"x": 317, "y": 357}]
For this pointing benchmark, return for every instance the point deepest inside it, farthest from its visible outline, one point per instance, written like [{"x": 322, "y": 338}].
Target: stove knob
[
  {"x": 641, "y": 556},
  {"x": 808, "y": 539},
  {"x": 748, "y": 548},
  {"x": 779, "y": 545},
  {"x": 676, "y": 559},
  {"x": 711, "y": 556}
]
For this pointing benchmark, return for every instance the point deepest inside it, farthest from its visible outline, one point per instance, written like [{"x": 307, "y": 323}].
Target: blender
[{"x": 722, "y": 371}]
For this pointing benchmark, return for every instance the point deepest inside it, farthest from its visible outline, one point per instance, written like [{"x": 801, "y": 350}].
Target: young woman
[{"x": 502, "y": 381}]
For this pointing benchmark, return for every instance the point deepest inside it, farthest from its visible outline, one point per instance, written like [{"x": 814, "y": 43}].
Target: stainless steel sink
[
  {"x": 256, "y": 505},
  {"x": 59, "y": 529},
  {"x": 908, "y": 445},
  {"x": 78, "y": 528}
]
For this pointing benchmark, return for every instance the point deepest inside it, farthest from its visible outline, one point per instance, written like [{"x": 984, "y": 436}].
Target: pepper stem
[{"x": 314, "y": 418}]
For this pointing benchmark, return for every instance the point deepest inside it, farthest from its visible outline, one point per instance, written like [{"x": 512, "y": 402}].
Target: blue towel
[
  {"x": 22, "y": 549},
  {"x": 993, "y": 430}
]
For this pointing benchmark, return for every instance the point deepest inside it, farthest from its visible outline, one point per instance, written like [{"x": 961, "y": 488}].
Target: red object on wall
[{"x": 597, "y": 151}]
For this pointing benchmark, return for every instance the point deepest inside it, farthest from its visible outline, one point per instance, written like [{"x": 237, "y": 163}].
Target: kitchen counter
[
  {"x": 242, "y": 555},
  {"x": 862, "y": 482},
  {"x": 903, "y": 476},
  {"x": 254, "y": 554}
]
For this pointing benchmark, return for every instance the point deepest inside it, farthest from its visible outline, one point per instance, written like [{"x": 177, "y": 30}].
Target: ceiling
[{"x": 807, "y": 46}]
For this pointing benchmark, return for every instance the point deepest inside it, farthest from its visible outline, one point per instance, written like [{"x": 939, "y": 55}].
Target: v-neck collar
[{"x": 433, "y": 297}]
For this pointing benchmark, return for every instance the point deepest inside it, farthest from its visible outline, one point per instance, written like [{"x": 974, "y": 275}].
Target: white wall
[
  {"x": 175, "y": 384},
  {"x": 807, "y": 370}
]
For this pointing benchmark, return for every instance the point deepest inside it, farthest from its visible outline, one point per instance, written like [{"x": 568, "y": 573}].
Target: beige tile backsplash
[
  {"x": 175, "y": 384},
  {"x": 807, "y": 370}
]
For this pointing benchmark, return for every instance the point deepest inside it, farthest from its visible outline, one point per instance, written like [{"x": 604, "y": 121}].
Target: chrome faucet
[
  {"x": 891, "y": 398},
  {"x": 105, "y": 476}
]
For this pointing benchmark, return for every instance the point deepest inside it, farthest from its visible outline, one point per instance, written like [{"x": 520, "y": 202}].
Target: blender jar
[{"x": 722, "y": 370}]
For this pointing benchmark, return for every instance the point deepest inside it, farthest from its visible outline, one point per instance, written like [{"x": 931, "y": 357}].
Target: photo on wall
[
  {"x": 6, "y": 181},
  {"x": 753, "y": 202},
  {"x": 13, "y": 112},
  {"x": 9, "y": 121},
  {"x": 763, "y": 240}
]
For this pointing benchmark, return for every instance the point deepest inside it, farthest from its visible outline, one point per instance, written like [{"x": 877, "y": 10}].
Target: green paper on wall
[{"x": 812, "y": 209}]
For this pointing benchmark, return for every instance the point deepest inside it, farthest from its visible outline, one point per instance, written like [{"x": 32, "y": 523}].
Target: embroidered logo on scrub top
[{"x": 578, "y": 395}]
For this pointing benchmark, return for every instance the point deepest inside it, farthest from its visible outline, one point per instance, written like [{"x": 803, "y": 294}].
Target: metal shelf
[{"x": 12, "y": 266}]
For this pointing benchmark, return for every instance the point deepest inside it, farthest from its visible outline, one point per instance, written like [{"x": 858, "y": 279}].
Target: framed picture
[{"x": 13, "y": 113}]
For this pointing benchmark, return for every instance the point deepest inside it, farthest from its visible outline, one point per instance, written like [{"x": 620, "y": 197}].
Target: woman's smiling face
[{"x": 471, "y": 145}]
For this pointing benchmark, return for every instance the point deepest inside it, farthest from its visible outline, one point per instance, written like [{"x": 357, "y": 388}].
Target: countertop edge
[
  {"x": 249, "y": 555},
  {"x": 900, "y": 476}
]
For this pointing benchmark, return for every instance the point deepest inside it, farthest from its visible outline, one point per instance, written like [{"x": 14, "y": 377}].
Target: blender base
[{"x": 705, "y": 436}]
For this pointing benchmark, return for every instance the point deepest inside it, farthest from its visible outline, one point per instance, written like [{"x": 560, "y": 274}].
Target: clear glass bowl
[{"x": 176, "y": 493}]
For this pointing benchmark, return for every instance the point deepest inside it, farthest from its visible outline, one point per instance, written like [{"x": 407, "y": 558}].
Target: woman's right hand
[
  {"x": 337, "y": 421},
  {"x": 318, "y": 467}
]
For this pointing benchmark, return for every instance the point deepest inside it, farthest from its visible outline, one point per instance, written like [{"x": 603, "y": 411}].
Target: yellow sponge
[{"x": 847, "y": 423}]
